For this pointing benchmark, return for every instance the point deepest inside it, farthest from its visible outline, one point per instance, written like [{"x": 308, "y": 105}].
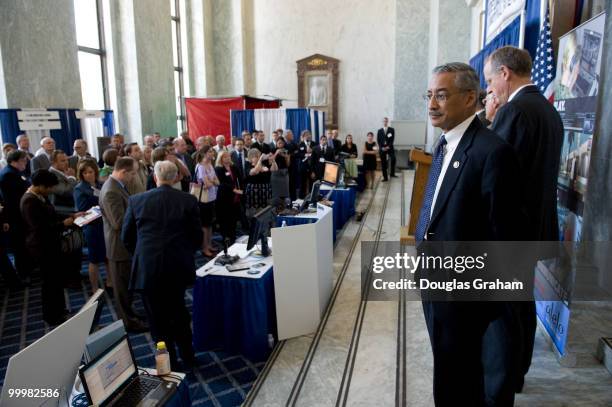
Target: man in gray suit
[
  {"x": 113, "y": 203},
  {"x": 43, "y": 155}
]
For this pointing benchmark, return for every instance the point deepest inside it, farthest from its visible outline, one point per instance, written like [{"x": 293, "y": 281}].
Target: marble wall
[
  {"x": 359, "y": 33},
  {"x": 39, "y": 54},
  {"x": 155, "y": 66}
]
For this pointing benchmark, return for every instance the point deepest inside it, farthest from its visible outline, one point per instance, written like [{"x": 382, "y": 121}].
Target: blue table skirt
[
  {"x": 235, "y": 314},
  {"x": 344, "y": 205}
]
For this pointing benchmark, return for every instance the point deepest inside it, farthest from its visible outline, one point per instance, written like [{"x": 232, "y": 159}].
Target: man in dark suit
[
  {"x": 385, "y": 139},
  {"x": 13, "y": 184},
  {"x": 113, "y": 203},
  {"x": 162, "y": 228},
  {"x": 320, "y": 154},
  {"x": 335, "y": 141},
  {"x": 470, "y": 196},
  {"x": 239, "y": 158},
  {"x": 304, "y": 162},
  {"x": 260, "y": 143},
  {"x": 534, "y": 128}
]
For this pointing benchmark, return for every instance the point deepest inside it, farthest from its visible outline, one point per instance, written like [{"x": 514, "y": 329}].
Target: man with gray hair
[
  {"x": 532, "y": 125},
  {"x": 149, "y": 141},
  {"x": 469, "y": 196},
  {"x": 42, "y": 159},
  {"x": 162, "y": 229}
]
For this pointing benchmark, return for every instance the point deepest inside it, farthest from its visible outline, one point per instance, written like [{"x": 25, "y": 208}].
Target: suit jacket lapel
[{"x": 452, "y": 173}]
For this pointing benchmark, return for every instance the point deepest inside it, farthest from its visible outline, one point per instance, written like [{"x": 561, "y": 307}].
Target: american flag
[{"x": 544, "y": 68}]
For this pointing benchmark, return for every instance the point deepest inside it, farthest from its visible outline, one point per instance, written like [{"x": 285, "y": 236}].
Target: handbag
[
  {"x": 71, "y": 240},
  {"x": 201, "y": 194}
]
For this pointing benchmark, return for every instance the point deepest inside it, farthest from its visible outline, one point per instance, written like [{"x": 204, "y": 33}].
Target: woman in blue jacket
[{"x": 86, "y": 194}]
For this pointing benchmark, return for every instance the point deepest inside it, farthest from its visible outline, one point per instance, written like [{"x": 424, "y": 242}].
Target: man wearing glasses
[{"x": 470, "y": 196}]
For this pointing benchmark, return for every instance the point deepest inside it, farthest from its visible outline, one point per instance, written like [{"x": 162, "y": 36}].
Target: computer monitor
[
  {"x": 312, "y": 198},
  {"x": 51, "y": 362},
  {"x": 330, "y": 173},
  {"x": 261, "y": 223},
  {"x": 108, "y": 373}
]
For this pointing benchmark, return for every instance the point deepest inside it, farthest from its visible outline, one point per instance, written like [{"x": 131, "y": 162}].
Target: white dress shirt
[
  {"x": 453, "y": 137},
  {"x": 517, "y": 91}
]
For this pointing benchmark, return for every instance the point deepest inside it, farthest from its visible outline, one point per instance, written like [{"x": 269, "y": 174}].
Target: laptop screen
[
  {"x": 104, "y": 376},
  {"x": 330, "y": 173}
]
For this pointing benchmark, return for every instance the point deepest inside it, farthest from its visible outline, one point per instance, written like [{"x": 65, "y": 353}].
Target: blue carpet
[{"x": 220, "y": 379}]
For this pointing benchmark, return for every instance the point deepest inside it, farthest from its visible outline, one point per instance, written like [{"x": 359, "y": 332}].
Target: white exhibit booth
[{"x": 303, "y": 273}]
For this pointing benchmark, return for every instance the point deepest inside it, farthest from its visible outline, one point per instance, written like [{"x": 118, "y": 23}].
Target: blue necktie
[{"x": 432, "y": 181}]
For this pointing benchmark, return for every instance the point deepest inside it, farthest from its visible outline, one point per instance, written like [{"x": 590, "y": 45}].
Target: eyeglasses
[{"x": 441, "y": 97}]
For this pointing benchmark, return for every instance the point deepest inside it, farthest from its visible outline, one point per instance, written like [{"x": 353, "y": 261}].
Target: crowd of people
[{"x": 42, "y": 193}]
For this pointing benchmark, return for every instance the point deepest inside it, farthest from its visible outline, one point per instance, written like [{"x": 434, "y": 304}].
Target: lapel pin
[{"x": 456, "y": 164}]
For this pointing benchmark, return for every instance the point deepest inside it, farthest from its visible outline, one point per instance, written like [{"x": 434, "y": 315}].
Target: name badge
[
  {"x": 96, "y": 192},
  {"x": 228, "y": 174},
  {"x": 389, "y": 135},
  {"x": 321, "y": 160},
  {"x": 24, "y": 178},
  {"x": 302, "y": 148}
]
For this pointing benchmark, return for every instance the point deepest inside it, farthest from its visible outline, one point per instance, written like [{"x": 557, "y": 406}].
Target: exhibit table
[
  {"x": 344, "y": 203},
  {"x": 303, "y": 274},
  {"x": 235, "y": 311}
]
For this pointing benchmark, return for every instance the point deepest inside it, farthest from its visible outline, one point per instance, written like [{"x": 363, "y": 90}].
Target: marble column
[
  {"x": 411, "y": 52},
  {"x": 153, "y": 34},
  {"x": 200, "y": 46},
  {"x": 227, "y": 47},
  {"x": 144, "y": 72},
  {"x": 39, "y": 54}
]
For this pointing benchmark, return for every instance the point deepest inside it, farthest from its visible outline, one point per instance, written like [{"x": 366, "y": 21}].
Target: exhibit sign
[
  {"x": 577, "y": 84},
  {"x": 38, "y": 119}
]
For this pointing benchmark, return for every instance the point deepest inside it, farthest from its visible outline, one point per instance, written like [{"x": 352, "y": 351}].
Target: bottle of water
[
  {"x": 162, "y": 359},
  {"x": 284, "y": 224}
]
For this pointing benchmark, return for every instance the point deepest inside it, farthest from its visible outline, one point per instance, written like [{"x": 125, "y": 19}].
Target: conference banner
[{"x": 577, "y": 85}]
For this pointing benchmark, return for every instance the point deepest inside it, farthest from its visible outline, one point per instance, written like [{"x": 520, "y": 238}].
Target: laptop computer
[{"x": 112, "y": 379}]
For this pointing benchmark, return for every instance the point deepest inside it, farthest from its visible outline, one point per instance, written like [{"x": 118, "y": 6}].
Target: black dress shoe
[
  {"x": 385, "y": 180},
  {"x": 394, "y": 176}
]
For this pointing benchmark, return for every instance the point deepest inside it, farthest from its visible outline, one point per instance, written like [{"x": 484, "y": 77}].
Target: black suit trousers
[
  {"x": 169, "y": 319},
  {"x": 456, "y": 331},
  {"x": 387, "y": 159},
  {"x": 52, "y": 291},
  {"x": 23, "y": 264}
]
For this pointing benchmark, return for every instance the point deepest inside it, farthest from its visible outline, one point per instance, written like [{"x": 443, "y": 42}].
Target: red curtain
[{"x": 211, "y": 116}]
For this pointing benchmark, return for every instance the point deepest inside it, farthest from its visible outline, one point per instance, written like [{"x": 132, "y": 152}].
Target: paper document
[{"x": 91, "y": 215}]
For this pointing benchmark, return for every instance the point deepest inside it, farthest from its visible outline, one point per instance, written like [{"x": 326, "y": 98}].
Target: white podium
[{"x": 303, "y": 273}]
